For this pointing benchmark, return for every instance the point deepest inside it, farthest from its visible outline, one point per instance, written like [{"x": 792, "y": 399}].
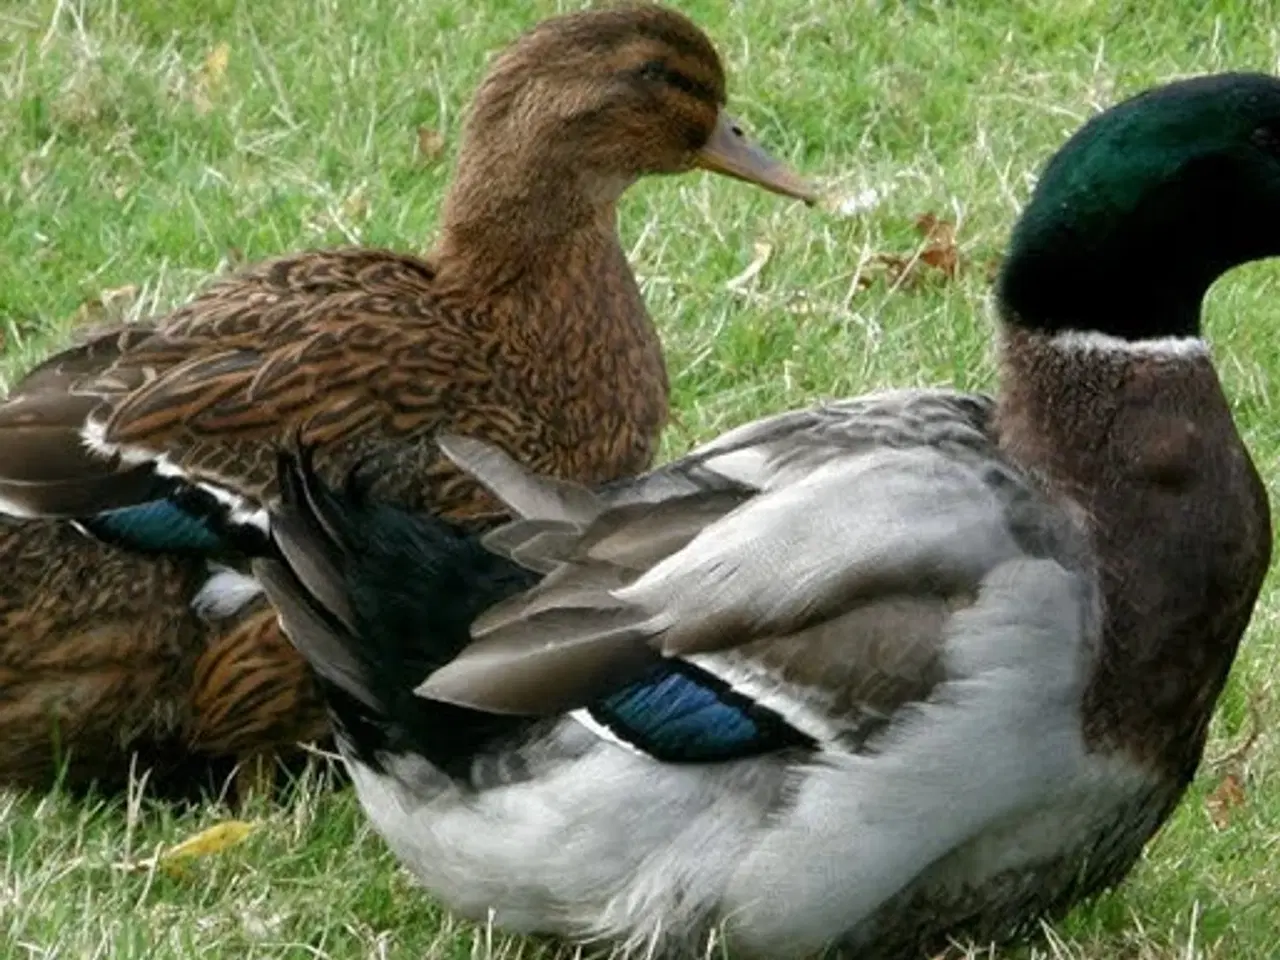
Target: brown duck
[{"x": 524, "y": 326}]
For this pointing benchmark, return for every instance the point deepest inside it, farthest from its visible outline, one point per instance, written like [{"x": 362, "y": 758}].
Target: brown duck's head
[{"x": 591, "y": 101}]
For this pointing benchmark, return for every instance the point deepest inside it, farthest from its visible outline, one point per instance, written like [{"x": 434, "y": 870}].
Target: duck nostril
[{"x": 737, "y": 131}]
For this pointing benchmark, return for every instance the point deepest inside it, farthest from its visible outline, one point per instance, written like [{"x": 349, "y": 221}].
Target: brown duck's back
[{"x": 359, "y": 351}]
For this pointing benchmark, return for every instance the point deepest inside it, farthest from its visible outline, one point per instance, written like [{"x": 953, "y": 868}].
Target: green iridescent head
[{"x": 1146, "y": 206}]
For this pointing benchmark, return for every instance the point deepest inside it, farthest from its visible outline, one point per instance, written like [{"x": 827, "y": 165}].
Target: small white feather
[
  {"x": 604, "y": 733},
  {"x": 746, "y": 465},
  {"x": 224, "y": 594},
  {"x": 241, "y": 510},
  {"x": 760, "y": 688},
  {"x": 94, "y": 435},
  {"x": 11, "y": 508}
]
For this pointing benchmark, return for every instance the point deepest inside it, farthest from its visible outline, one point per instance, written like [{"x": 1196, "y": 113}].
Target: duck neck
[
  {"x": 513, "y": 217},
  {"x": 1138, "y": 437},
  {"x": 1067, "y": 396},
  {"x": 1083, "y": 312},
  {"x": 1067, "y": 276},
  {"x": 543, "y": 250}
]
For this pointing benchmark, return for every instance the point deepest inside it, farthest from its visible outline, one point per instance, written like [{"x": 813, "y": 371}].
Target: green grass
[{"x": 129, "y": 159}]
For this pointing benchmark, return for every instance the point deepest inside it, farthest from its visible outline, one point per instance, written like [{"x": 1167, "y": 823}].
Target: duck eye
[{"x": 653, "y": 70}]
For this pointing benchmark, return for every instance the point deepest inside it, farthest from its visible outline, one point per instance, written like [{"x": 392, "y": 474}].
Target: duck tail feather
[
  {"x": 305, "y": 534},
  {"x": 541, "y": 545},
  {"x": 398, "y": 590}
]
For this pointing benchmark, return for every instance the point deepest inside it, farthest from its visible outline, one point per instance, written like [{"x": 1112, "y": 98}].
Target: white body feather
[{"x": 991, "y": 775}]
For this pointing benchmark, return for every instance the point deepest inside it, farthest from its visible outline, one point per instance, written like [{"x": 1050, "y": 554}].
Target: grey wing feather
[
  {"x": 771, "y": 531},
  {"x": 636, "y": 536},
  {"x": 46, "y": 468},
  {"x": 565, "y": 656},
  {"x": 525, "y": 493},
  {"x": 574, "y": 586},
  {"x": 889, "y": 521},
  {"x": 308, "y": 630}
]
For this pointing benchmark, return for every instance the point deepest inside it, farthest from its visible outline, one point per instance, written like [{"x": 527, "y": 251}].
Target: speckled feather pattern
[
  {"x": 97, "y": 653},
  {"x": 354, "y": 350}
]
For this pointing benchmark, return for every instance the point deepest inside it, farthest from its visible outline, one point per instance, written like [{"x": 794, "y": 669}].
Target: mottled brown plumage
[
  {"x": 524, "y": 326},
  {"x": 97, "y": 647}
]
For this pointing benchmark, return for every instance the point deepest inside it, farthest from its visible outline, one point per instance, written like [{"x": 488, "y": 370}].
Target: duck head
[
  {"x": 1145, "y": 207},
  {"x": 583, "y": 105}
]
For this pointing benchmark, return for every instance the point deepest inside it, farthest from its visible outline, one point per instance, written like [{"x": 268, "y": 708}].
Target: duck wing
[
  {"x": 315, "y": 345},
  {"x": 46, "y": 468},
  {"x": 810, "y": 567},
  {"x": 375, "y": 597}
]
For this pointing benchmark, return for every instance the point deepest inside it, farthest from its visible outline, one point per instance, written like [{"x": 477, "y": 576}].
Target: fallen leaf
[
  {"x": 210, "y": 77},
  {"x": 215, "y": 64},
  {"x": 355, "y": 206},
  {"x": 940, "y": 251},
  {"x": 1226, "y": 797},
  {"x": 206, "y": 843},
  {"x": 430, "y": 145},
  {"x": 763, "y": 251},
  {"x": 939, "y": 254}
]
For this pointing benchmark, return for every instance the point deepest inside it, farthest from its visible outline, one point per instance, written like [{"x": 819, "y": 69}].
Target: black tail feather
[{"x": 377, "y": 598}]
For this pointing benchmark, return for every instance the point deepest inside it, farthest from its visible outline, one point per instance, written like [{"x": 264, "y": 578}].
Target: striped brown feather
[
  {"x": 251, "y": 692},
  {"x": 96, "y": 649}
]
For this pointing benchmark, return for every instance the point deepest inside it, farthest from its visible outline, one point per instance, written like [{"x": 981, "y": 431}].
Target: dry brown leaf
[
  {"x": 1226, "y": 797},
  {"x": 936, "y": 230},
  {"x": 430, "y": 145},
  {"x": 940, "y": 251},
  {"x": 938, "y": 255},
  {"x": 211, "y": 76}
]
